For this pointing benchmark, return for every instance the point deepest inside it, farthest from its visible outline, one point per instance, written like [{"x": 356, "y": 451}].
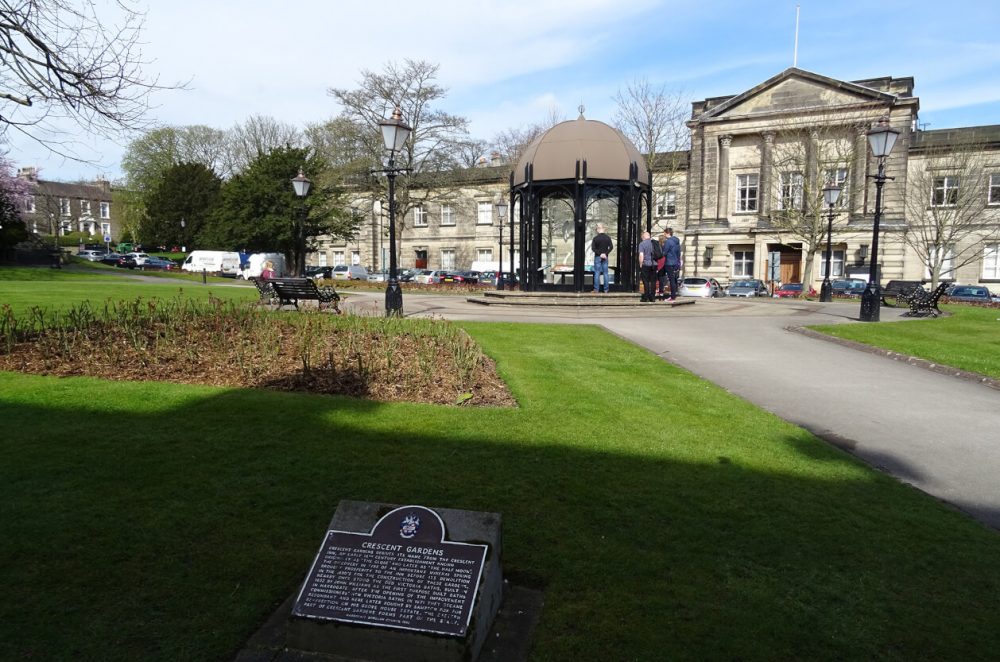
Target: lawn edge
[{"x": 916, "y": 361}]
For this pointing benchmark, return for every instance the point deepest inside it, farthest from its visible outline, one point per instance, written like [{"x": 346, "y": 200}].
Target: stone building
[
  {"x": 60, "y": 207},
  {"x": 746, "y": 199}
]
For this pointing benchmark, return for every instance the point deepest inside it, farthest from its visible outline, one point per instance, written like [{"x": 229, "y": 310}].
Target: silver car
[
  {"x": 696, "y": 286},
  {"x": 747, "y": 288}
]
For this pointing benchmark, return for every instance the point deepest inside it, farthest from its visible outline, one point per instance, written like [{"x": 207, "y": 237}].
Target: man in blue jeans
[
  {"x": 672, "y": 264},
  {"x": 602, "y": 247},
  {"x": 647, "y": 269}
]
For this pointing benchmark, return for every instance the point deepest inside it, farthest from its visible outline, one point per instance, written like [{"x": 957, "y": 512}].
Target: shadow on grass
[{"x": 171, "y": 529}]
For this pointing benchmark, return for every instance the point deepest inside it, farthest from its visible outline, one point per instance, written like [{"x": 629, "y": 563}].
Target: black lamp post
[
  {"x": 395, "y": 133},
  {"x": 881, "y": 138},
  {"x": 831, "y": 193},
  {"x": 301, "y": 185},
  {"x": 501, "y": 207}
]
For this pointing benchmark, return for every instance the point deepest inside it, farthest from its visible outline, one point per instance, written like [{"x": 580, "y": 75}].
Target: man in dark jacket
[
  {"x": 647, "y": 269},
  {"x": 602, "y": 247},
  {"x": 672, "y": 263}
]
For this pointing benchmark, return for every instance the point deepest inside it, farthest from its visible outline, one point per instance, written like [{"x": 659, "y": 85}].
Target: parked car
[
  {"x": 696, "y": 286},
  {"x": 319, "y": 272},
  {"x": 788, "y": 290},
  {"x": 380, "y": 276},
  {"x": 350, "y": 272},
  {"x": 110, "y": 259},
  {"x": 471, "y": 277},
  {"x": 969, "y": 293},
  {"x": 747, "y": 288},
  {"x": 852, "y": 287},
  {"x": 153, "y": 263},
  {"x": 91, "y": 255},
  {"x": 407, "y": 275},
  {"x": 431, "y": 277},
  {"x": 450, "y": 278}
]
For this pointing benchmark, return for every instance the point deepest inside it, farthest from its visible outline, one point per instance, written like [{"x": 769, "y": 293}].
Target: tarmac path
[{"x": 936, "y": 432}]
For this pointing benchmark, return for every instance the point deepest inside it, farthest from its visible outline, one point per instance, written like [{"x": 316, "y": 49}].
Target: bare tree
[
  {"x": 946, "y": 197},
  {"x": 61, "y": 60},
  {"x": 511, "y": 143},
  {"x": 257, "y": 137},
  {"x": 434, "y": 150},
  {"x": 653, "y": 119},
  {"x": 805, "y": 158}
]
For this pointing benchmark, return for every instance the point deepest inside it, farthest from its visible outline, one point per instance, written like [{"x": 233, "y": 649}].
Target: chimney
[
  {"x": 103, "y": 184},
  {"x": 28, "y": 174},
  {"x": 495, "y": 158}
]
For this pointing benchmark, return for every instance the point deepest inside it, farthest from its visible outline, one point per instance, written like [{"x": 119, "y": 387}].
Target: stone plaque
[{"x": 401, "y": 575}]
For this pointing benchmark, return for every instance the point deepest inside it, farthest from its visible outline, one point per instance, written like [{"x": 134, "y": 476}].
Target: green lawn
[
  {"x": 24, "y": 287},
  {"x": 662, "y": 517},
  {"x": 968, "y": 339}
]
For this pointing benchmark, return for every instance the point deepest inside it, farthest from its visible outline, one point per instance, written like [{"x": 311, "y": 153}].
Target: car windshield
[
  {"x": 792, "y": 286},
  {"x": 969, "y": 292},
  {"x": 695, "y": 281},
  {"x": 743, "y": 283}
]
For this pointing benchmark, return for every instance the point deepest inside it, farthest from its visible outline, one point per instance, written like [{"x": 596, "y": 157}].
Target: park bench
[
  {"x": 923, "y": 303},
  {"x": 897, "y": 292},
  {"x": 289, "y": 291},
  {"x": 264, "y": 289}
]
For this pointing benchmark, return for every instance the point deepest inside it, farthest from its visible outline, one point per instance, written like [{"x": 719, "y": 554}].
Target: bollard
[{"x": 204, "y": 277}]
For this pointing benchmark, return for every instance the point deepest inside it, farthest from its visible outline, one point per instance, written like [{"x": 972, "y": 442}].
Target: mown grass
[
  {"x": 161, "y": 521},
  {"x": 968, "y": 339},
  {"x": 54, "y": 289}
]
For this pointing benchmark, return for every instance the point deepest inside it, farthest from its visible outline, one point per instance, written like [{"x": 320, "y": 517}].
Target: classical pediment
[{"x": 793, "y": 91}]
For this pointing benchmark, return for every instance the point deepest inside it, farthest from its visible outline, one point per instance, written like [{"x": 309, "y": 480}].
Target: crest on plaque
[{"x": 409, "y": 526}]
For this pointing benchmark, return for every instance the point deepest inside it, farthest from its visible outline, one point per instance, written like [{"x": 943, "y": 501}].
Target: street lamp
[
  {"x": 831, "y": 193},
  {"x": 881, "y": 138},
  {"x": 301, "y": 185},
  {"x": 395, "y": 133},
  {"x": 501, "y": 207}
]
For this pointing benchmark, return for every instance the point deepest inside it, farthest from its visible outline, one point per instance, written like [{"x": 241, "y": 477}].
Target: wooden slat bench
[
  {"x": 264, "y": 288},
  {"x": 289, "y": 291}
]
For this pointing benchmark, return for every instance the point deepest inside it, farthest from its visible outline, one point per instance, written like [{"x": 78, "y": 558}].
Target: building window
[
  {"x": 947, "y": 262},
  {"x": 791, "y": 190},
  {"x": 448, "y": 258},
  {"x": 484, "y": 254},
  {"x": 991, "y": 262},
  {"x": 994, "y": 196},
  {"x": 355, "y": 257},
  {"x": 743, "y": 263},
  {"x": 836, "y": 263},
  {"x": 667, "y": 204},
  {"x": 945, "y": 193},
  {"x": 419, "y": 217},
  {"x": 484, "y": 213},
  {"x": 105, "y": 229},
  {"x": 838, "y": 176},
  {"x": 746, "y": 192},
  {"x": 105, "y": 210},
  {"x": 338, "y": 258},
  {"x": 322, "y": 258},
  {"x": 85, "y": 207},
  {"x": 64, "y": 206},
  {"x": 447, "y": 215},
  {"x": 29, "y": 204}
]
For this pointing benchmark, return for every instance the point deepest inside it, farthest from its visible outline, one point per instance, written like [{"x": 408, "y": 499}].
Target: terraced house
[
  {"x": 61, "y": 207},
  {"x": 747, "y": 201}
]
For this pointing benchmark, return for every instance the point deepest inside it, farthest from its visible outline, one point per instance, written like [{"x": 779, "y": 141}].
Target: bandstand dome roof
[{"x": 607, "y": 151}]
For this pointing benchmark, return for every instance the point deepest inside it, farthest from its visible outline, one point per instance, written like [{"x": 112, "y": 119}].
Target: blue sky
[{"x": 510, "y": 63}]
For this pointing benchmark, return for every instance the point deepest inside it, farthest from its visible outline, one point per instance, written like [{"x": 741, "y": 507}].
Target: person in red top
[{"x": 268, "y": 272}]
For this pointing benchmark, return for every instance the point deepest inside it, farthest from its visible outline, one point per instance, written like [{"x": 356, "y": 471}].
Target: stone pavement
[{"x": 936, "y": 432}]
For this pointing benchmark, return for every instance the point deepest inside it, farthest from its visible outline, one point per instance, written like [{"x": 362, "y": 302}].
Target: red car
[{"x": 789, "y": 290}]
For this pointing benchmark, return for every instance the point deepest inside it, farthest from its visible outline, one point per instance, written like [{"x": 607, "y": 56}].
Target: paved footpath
[{"x": 936, "y": 432}]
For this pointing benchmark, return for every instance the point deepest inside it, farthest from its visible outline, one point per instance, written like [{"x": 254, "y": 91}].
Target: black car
[
  {"x": 470, "y": 276},
  {"x": 851, "y": 287},
  {"x": 126, "y": 262},
  {"x": 319, "y": 272},
  {"x": 110, "y": 259}
]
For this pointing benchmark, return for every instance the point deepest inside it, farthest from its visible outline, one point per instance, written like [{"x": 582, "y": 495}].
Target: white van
[
  {"x": 255, "y": 265},
  {"x": 226, "y": 263}
]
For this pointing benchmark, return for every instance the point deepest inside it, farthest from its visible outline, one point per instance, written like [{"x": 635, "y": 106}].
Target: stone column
[
  {"x": 766, "y": 174},
  {"x": 723, "y": 196},
  {"x": 810, "y": 177},
  {"x": 858, "y": 179}
]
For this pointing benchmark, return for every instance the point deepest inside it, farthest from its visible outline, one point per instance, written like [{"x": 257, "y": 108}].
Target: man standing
[
  {"x": 672, "y": 255},
  {"x": 602, "y": 247},
  {"x": 647, "y": 269}
]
